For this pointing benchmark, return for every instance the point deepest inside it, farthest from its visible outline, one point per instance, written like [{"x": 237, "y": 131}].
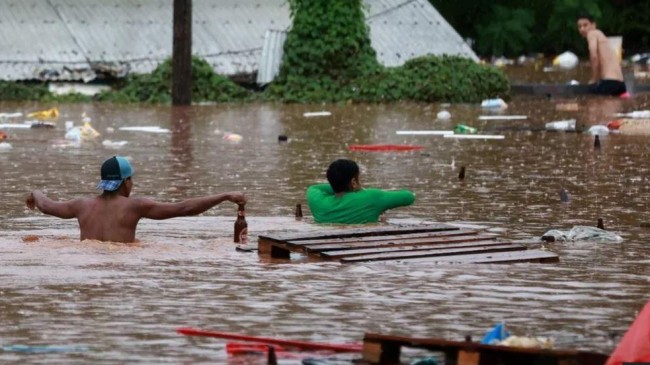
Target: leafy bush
[
  {"x": 328, "y": 58},
  {"x": 26, "y": 91},
  {"x": 156, "y": 86}
]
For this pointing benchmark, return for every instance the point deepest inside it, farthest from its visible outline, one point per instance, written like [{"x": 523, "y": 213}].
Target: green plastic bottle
[{"x": 464, "y": 129}]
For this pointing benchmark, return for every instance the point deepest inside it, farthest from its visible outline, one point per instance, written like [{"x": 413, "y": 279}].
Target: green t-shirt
[{"x": 357, "y": 207}]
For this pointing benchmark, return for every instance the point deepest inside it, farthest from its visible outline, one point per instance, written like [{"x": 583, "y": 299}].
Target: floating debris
[
  {"x": 476, "y": 136},
  {"x": 424, "y": 133},
  {"x": 443, "y": 115},
  {"x": 317, "y": 114},
  {"x": 148, "y": 129}
]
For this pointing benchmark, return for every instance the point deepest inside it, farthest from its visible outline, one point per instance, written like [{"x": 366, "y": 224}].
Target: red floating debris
[{"x": 384, "y": 147}]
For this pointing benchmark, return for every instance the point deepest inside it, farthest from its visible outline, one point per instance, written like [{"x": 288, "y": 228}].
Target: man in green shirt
[{"x": 344, "y": 201}]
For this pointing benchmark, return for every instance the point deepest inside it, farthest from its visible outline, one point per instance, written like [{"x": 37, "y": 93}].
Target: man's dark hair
[
  {"x": 340, "y": 173},
  {"x": 585, "y": 15}
]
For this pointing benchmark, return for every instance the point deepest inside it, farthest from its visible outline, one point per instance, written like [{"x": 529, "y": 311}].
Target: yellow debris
[{"x": 52, "y": 113}]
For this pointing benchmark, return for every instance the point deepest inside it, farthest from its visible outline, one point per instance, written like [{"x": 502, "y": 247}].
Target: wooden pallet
[
  {"x": 383, "y": 349},
  {"x": 440, "y": 242}
]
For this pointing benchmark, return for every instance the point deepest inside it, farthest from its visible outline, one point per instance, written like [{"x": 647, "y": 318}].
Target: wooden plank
[
  {"x": 357, "y": 232},
  {"x": 404, "y": 242},
  {"x": 275, "y": 249},
  {"x": 450, "y": 233},
  {"x": 499, "y": 258},
  {"x": 468, "y": 357},
  {"x": 433, "y": 253},
  {"x": 436, "y": 344},
  {"x": 336, "y": 254},
  {"x": 381, "y": 353}
]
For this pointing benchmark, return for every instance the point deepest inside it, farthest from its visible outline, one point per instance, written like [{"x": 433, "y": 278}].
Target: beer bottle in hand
[{"x": 241, "y": 227}]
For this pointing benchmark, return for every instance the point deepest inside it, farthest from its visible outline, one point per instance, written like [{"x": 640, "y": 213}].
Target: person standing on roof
[{"x": 606, "y": 74}]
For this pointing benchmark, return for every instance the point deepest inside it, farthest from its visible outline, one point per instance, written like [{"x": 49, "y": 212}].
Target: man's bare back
[
  {"x": 606, "y": 74},
  {"x": 114, "y": 215},
  {"x": 601, "y": 49}
]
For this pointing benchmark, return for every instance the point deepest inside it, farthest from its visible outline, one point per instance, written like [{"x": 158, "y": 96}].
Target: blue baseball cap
[{"x": 114, "y": 171}]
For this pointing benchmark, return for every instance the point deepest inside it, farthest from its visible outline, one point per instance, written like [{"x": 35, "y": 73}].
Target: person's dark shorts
[{"x": 608, "y": 87}]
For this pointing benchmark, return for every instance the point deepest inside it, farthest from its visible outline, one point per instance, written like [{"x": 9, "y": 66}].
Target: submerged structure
[{"x": 67, "y": 40}]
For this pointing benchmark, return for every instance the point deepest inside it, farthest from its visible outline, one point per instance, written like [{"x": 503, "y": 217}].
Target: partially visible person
[
  {"x": 606, "y": 73},
  {"x": 113, "y": 215},
  {"x": 343, "y": 200}
]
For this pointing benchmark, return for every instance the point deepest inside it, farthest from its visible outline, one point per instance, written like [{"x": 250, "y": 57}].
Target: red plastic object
[
  {"x": 384, "y": 147},
  {"x": 615, "y": 124},
  {"x": 3, "y": 135},
  {"x": 625, "y": 95},
  {"x": 238, "y": 348},
  {"x": 302, "y": 345},
  {"x": 635, "y": 345}
]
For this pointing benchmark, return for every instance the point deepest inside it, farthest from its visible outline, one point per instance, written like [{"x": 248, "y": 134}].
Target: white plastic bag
[{"x": 584, "y": 233}]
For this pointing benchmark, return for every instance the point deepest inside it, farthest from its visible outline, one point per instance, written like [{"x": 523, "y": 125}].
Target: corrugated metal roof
[
  {"x": 73, "y": 39},
  {"x": 271, "y": 56},
  {"x": 404, "y": 29}
]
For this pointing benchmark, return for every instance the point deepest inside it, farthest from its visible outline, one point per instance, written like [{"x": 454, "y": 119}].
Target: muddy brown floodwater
[{"x": 122, "y": 303}]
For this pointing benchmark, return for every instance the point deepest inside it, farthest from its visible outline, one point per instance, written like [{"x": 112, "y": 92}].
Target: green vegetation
[
  {"x": 511, "y": 27},
  {"x": 329, "y": 58},
  {"x": 156, "y": 87},
  {"x": 30, "y": 91}
]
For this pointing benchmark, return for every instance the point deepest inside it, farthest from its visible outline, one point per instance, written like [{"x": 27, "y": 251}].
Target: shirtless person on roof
[{"x": 606, "y": 74}]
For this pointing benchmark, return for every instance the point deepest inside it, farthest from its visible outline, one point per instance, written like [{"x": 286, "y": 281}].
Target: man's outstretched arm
[
  {"x": 65, "y": 209},
  {"x": 148, "y": 208}
]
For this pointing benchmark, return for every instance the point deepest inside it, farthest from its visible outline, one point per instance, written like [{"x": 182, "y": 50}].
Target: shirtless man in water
[
  {"x": 113, "y": 216},
  {"x": 606, "y": 74}
]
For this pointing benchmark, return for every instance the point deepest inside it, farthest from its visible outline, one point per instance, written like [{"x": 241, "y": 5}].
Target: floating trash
[
  {"x": 443, "y": 115},
  {"x": 113, "y": 144},
  {"x": 637, "y": 114},
  {"x": 598, "y": 130},
  {"x": 4, "y": 146},
  {"x": 317, "y": 114},
  {"x": 464, "y": 129},
  {"x": 52, "y": 113},
  {"x": 148, "y": 129},
  {"x": 15, "y": 126},
  {"x": 424, "y": 133},
  {"x": 502, "y": 117},
  {"x": 475, "y": 136},
  {"x": 528, "y": 342},
  {"x": 584, "y": 233},
  {"x": 10, "y": 115},
  {"x": 232, "y": 137},
  {"x": 561, "y": 125},
  {"x": 566, "y": 60},
  {"x": 497, "y": 334},
  {"x": 497, "y": 103},
  {"x": 384, "y": 147}
]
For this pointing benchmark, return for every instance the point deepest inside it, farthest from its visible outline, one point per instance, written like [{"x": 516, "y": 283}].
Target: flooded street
[{"x": 123, "y": 303}]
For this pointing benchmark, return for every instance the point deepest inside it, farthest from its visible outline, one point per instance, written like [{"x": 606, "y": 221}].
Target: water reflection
[
  {"x": 125, "y": 302},
  {"x": 181, "y": 146}
]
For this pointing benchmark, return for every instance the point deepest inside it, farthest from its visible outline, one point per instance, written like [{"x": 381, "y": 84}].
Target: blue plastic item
[{"x": 496, "y": 334}]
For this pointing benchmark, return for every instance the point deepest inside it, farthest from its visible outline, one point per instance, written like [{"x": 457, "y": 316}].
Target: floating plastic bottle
[
  {"x": 561, "y": 125},
  {"x": 497, "y": 103},
  {"x": 464, "y": 129}
]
